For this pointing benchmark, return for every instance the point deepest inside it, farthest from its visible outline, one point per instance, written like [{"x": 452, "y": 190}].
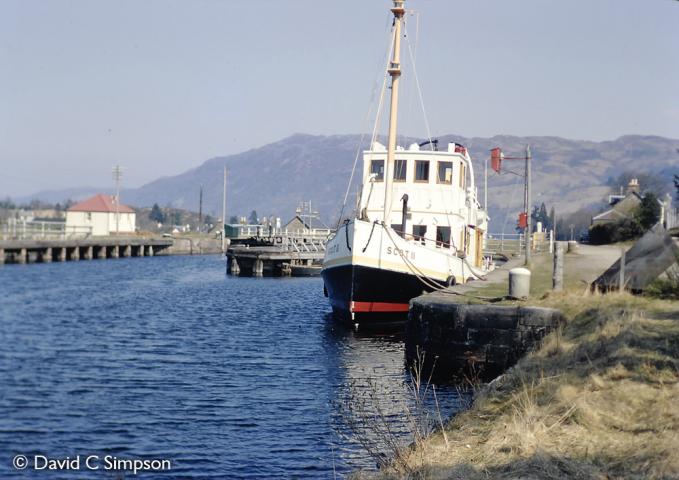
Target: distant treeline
[{"x": 9, "y": 204}]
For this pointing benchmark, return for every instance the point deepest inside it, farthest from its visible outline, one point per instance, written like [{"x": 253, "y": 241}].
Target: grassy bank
[{"x": 599, "y": 399}]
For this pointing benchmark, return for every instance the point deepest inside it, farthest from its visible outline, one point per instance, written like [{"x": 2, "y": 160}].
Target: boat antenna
[{"x": 394, "y": 71}]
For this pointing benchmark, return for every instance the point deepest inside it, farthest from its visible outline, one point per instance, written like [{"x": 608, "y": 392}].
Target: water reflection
[{"x": 380, "y": 406}]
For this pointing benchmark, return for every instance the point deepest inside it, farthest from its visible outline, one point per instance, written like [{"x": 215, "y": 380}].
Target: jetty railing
[{"x": 24, "y": 230}]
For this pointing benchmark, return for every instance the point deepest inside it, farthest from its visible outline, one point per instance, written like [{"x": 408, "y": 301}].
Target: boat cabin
[{"x": 442, "y": 206}]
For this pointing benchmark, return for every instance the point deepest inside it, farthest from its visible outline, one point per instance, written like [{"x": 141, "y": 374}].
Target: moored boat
[{"x": 418, "y": 225}]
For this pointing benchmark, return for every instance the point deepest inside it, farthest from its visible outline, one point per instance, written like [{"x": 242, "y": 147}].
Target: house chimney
[{"x": 633, "y": 186}]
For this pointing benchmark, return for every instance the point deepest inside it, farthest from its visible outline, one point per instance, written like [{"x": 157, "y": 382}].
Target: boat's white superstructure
[{"x": 418, "y": 223}]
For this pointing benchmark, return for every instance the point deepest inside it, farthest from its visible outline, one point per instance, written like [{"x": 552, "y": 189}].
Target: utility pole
[
  {"x": 224, "y": 214},
  {"x": 117, "y": 175},
  {"x": 200, "y": 209},
  {"x": 485, "y": 186},
  {"x": 529, "y": 220}
]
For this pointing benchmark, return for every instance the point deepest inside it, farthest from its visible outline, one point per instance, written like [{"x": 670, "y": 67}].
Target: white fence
[
  {"x": 23, "y": 230},
  {"x": 509, "y": 243}
]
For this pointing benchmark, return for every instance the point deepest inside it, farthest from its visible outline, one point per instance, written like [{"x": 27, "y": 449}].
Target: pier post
[
  {"x": 88, "y": 253},
  {"x": 2, "y": 256},
  {"x": 127, "y": 251},
  {"x": 22, "y": 256},
  {"x": 140, "y": 250},
  {"x": 557, "y": 273},
  {"x": 46, "y": 255},
  {"x": 149, "y": 251},
  {"x": 258, "y": 268},
  {"x": 75, "y": 254},
  {"x": 235, "y": 268},
  {"x": 61, "y": 256},
  {"x": 101, "y": 253},
  {"x": 114, "y": 252}
]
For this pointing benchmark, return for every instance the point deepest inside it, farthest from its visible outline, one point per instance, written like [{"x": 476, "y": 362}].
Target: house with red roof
[{"x": 101, "y": 215}]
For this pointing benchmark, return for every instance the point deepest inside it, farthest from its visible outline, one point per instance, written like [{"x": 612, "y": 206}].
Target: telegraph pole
[
  {"x": 224, "y": 214},
  {"x": 200, "y": 209},
  {"x": 529, "y": 219},
  {"x": 117, "y": 175}
]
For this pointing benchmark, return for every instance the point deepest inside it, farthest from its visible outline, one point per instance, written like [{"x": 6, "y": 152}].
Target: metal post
[
  {"x": 529, "y": 221},
  {"x": 557, "y": 273},
  {"x": 622, "y": 270},
  {"x": 117, "y": 174}
]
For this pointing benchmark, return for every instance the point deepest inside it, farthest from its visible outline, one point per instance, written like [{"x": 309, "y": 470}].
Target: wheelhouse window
[
  {"x": 397, "y": 227},
  {"x": 445, "y": 173},
  {"x": 400, "y": 170},
  {"x": 419, "y": 232},
  {"x": 377, "y": 167},
  {"x": 421, "y": 170},
  {"x": 462, "y": 175},
  {"x": 443, "y": 237}
]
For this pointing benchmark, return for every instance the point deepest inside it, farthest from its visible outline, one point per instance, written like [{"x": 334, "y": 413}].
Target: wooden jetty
[
  {"x": 276, "y": 256},
  {"x": 61, "y": 250}
]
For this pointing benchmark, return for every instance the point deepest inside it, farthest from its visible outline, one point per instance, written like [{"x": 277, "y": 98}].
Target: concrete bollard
[
  {"x": 572, "y": 246},
  {"x": 519, "y": 282}
]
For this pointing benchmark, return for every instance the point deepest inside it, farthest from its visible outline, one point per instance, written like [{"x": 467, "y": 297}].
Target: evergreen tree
[
  {"x": 156, "y": 214},
  {"x": 647, "y": 213},
  {"x": 176, "y": 218},
  {"x": 552, "y": 218},
  {"x": 676, "y": 184},
  {"x": 233, "y": 219},
  {"x": 253, "y": 218}
]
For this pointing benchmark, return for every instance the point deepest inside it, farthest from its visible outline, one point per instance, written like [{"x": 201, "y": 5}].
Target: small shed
[
  {"x": 296, "y": 226},
  {"x": 100, "y": 215}
]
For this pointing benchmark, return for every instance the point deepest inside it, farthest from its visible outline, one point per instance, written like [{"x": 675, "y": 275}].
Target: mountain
[{"x": 273, "y": 179}]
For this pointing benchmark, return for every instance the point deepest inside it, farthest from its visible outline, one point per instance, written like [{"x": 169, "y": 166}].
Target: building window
[
  {"x": 462, "y": 175},
  {"x": 443, "y": 237},
  {"x": 88, "y": 216},
  {"x": 445, "y": 173},
  {"x": 400, "y": 167},
  {"x": 421, "y": 170},
  {"x": 377, "y": 167},
  {"x": 419, "y": 232}
]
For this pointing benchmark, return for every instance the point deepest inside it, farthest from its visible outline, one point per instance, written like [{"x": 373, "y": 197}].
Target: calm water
[{"x": 169, "y": 358}]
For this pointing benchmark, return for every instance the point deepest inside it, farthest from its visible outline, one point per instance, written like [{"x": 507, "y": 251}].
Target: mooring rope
[{"x": 369, "y": 237}]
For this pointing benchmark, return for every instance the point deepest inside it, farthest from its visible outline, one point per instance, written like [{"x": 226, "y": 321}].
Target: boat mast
[{"x": 395, "y": 72}]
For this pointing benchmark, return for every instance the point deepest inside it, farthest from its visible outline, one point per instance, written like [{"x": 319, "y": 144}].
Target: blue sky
[{"x": 159, "y": 86}]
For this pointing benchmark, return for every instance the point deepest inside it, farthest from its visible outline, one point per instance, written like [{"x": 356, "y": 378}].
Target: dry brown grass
[{"x": 598, "y": 400}]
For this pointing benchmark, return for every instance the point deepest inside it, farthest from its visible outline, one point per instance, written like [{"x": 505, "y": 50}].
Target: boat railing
[{"x": 425, "y": 241}]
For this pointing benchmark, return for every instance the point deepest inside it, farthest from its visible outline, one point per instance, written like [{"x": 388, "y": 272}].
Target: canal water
[{"x": 169, "y": 358}]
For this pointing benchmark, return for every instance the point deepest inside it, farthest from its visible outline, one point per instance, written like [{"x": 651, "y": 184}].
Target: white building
[{"x": 98, "y": 215}]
